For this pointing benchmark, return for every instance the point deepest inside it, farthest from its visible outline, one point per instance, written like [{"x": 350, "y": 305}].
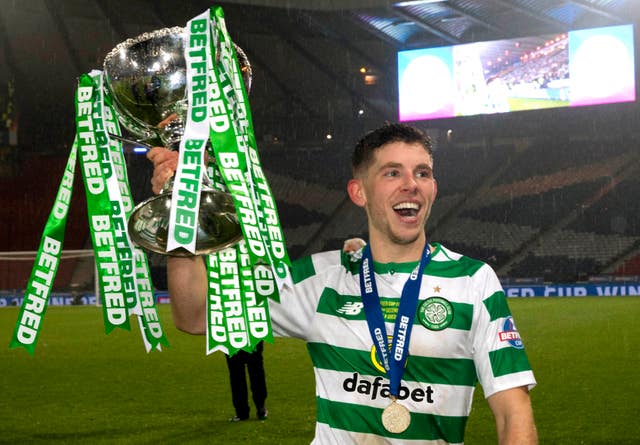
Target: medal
[{"x": 396, "y": 418}]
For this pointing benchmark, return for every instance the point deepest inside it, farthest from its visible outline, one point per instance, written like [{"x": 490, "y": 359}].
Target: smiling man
[
  {"x": 400, "y": 335},
  {"x": 393, "y": 181}
]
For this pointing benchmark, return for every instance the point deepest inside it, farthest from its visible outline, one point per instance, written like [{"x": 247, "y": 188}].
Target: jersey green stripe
[
  {"x": 443, "y": 371},
  {"x": 332, "y": 303},
  {"x": 453, "y": 269},
  {"x": 364, "y": 419},
  {"x": 508, "y": 360},
  {"x": 446, "y": 371},
  {"x": 384, "y": 268},
  {"x": 302, "y": 269},
  {"x": 462, "y": 316},
  {"x": 444, "y": 269},
  {"x": 497, "y": 306}
]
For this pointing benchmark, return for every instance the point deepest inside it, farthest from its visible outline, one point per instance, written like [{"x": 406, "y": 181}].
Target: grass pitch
[{"x": 84, "y": 387}]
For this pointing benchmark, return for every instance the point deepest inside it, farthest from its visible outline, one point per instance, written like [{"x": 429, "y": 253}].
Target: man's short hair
[{"x": 365, "y": 149}]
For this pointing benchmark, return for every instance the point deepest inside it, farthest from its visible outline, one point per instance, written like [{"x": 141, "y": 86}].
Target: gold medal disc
[{"x": 396, "y": 418}]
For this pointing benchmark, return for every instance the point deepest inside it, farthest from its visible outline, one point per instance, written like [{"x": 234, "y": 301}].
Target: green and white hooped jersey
[{"x": 463, "y": 333}]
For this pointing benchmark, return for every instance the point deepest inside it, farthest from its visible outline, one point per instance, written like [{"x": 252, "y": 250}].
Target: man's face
[{"x": 397, "y": 192}]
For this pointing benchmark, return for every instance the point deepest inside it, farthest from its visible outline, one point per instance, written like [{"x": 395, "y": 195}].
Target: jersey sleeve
[
  {"x": 294, "y": 314},
  {"x": 498, "y": 351}
]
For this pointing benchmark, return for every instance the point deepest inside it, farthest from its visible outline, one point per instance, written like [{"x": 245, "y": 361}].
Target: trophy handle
[{"x": 130, "y": 141}]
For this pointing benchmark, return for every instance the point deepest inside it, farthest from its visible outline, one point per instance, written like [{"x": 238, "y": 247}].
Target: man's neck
[{"x": 389, "y": 252}]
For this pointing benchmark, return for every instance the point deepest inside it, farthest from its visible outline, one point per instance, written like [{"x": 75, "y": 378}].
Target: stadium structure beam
[
  {"x": 339, "y": 80},
  {"x": 115, "y": 24},
  {"x": 385, "y": 71},
  {"x": 339, "y": 38},
  {"x": 54, "y": 12},
  {"x": 597, "y": 10},
  {"x": 474, "y": 18},
  {"x": 395, "y": 43},
  {"x": 536, "y": 15},
  {"x": 397, "y": 10},
  {"x": 257, "y": 61}
]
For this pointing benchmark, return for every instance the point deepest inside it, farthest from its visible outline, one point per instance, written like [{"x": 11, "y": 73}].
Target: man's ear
[{"x": 356, "y": 192}]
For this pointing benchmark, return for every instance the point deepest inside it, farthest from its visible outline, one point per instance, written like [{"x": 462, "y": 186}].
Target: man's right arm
[
  {"x": 186, "y": 276},
  {"x": 187, "y": 281}
]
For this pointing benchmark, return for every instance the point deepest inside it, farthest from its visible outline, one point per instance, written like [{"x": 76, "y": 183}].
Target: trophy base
[{"x": 218, "y": 226}]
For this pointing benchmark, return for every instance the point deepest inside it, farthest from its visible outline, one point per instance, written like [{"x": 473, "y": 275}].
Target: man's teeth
[
  {"x": 406, "y": 206},
  {"x": 407, "y": 209}
]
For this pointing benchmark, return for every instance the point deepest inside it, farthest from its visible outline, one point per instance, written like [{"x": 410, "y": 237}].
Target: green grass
[
  {"x": 83, "y": 386},
  {"x": 518, "y": 104}
]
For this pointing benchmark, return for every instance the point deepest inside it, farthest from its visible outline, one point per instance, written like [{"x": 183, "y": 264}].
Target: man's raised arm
[
  {"x": 187, "y": 280},
  {"x": 186, "y": 276}
]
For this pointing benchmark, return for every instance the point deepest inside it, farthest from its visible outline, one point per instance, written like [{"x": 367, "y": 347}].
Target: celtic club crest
[{"x": 435, "y": 313}]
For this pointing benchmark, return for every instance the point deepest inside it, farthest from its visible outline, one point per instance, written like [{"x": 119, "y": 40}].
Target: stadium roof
[{"x": 321, "y": 66}]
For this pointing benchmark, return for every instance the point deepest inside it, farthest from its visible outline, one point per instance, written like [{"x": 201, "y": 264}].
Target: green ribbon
[
  {"x": 95, "y": 171},
  {"x": 134, "y": 266},
  {"x": 123, "y": 270},
  {"x": 38, "y": 290},
  {"x": 240, "y": 278},
  {"x": 152, "y": 333},
  {"x": 234, "y": 144},
  {"x": 237, "y": 316},
  {"x": 185, "y": 197},
  {"x": 118, "y": 217}
]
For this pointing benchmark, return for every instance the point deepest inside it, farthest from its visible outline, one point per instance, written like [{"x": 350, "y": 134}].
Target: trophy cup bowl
[{"x": 147, "y": 79}]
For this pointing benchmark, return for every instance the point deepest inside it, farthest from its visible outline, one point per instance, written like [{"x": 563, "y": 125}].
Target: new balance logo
[{"x": 351, "y": 308}]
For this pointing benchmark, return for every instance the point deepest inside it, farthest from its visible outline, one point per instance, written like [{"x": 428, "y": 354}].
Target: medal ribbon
[{"x": 393, "y": 357}]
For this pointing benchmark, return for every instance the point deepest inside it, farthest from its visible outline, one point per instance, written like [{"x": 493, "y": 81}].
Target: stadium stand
[
  {"x": 538, "y": 217},
  {"x": 614, "y": 213},
  {"x": 629, "y": 267},
  {"x": 534, "y": 208},
  {"x": 521, "y": 205},
  {"x": 459, "y": 168},
  {"x": 33, "y": 190}
]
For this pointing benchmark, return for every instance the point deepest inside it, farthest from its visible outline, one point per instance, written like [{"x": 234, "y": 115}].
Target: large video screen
[{"x": 585, "y": 67}]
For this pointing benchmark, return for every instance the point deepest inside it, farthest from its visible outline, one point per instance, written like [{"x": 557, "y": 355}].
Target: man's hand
[
  {"x": 165, "y": 163},
  {"x": 353, "y": 245}
]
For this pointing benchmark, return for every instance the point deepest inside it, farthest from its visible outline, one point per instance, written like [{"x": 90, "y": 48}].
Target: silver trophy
[{"x": 146, "y": 77}]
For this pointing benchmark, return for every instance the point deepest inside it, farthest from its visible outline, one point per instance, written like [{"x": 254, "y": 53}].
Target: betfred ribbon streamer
[
  {"x": 45, "y": 267},
  {"x": 123, "y": 272}
]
